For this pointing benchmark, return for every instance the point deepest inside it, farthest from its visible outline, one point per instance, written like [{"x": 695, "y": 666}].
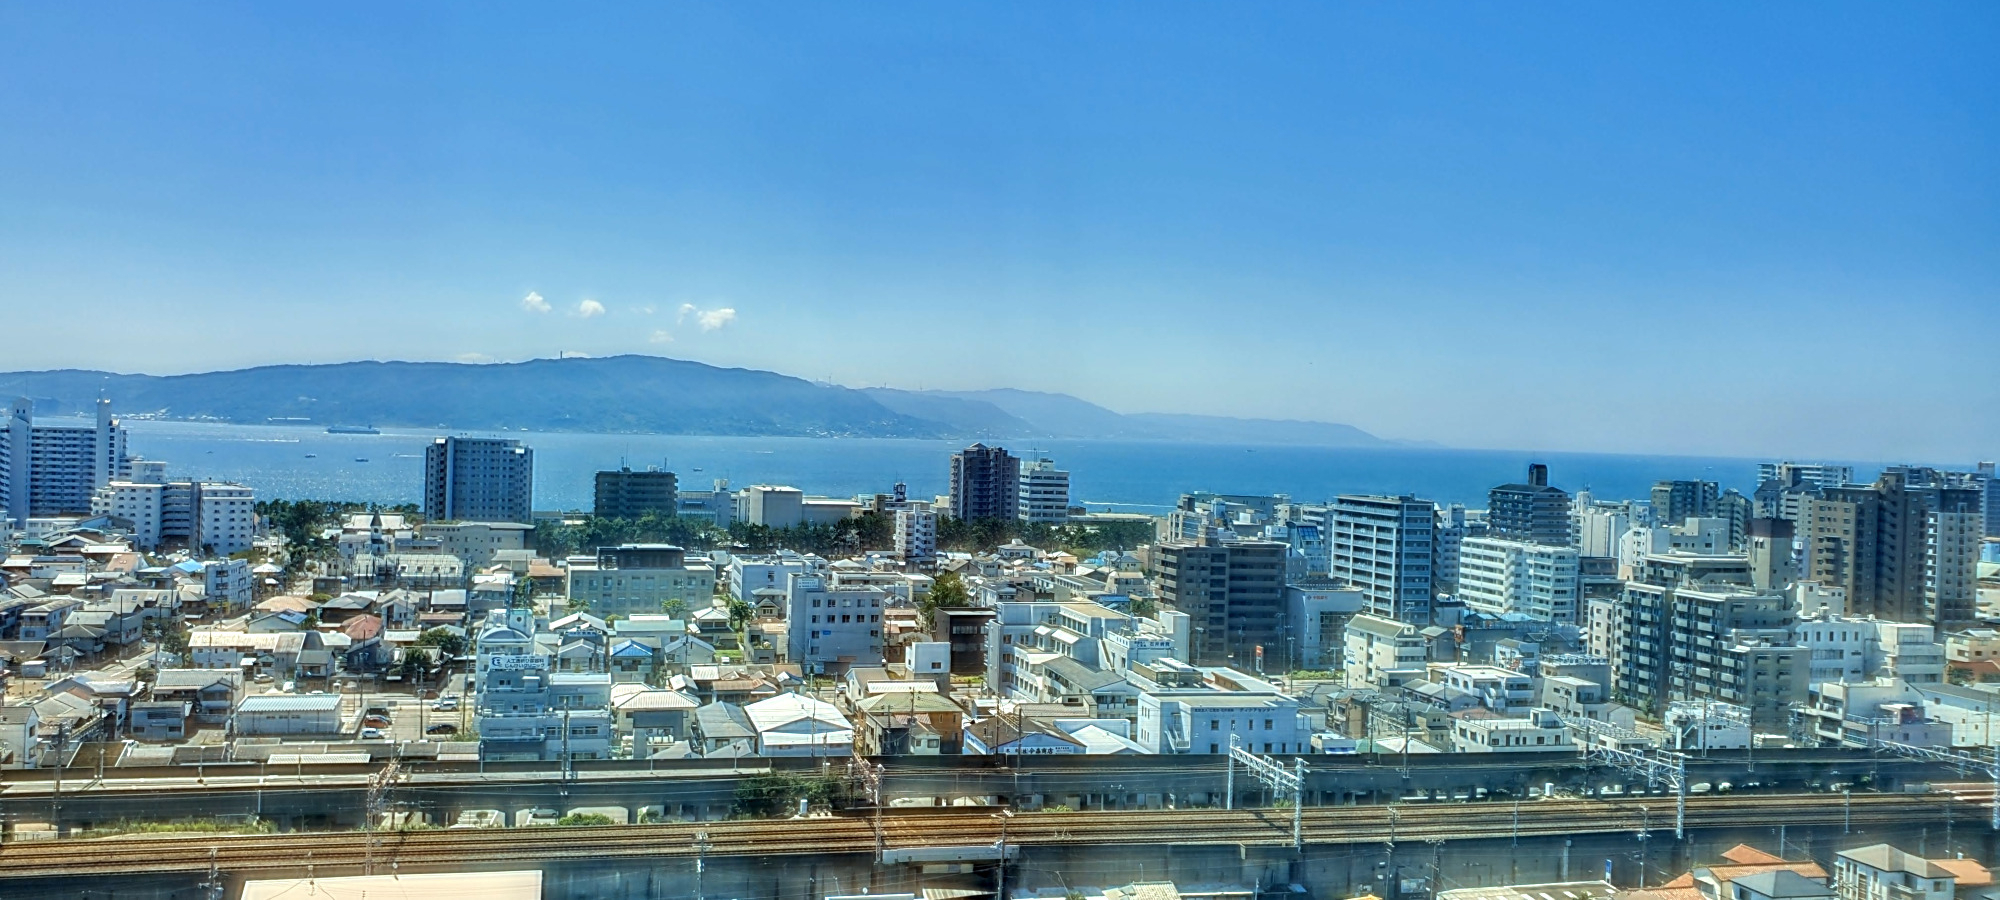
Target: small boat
[
  {"x": 351, "y": 429},
  {"x": 361, "y": 459},
  {"x": 312, "y": 456}
]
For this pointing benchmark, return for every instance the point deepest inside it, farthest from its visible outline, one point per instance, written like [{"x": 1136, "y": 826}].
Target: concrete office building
[
  {"x": 479, "y": 480},
  {"x": 1316, "y": 616},
  {"x": 1533, "y": 511},
  {"x": 625, "y": 494},
  {"x": 1044, "y": 494},
  {"x": 771, "y": 505},
  {"x": 476, "y": 543},
  {"x": 635, "y": 579},
  {"x": 985, "y": 483},
  {"x": 1386, "y": 546},
  {"x": 828, "y": 629},
  {"x": 1905, "y": 548},
  {"x": 1233, "y": 592},
  {"x": 1500, "y": 577},
  {"x": 1383, "y": 654},
  {"x": 717, "y": 504},
  {"x": 53, "y": 467}
]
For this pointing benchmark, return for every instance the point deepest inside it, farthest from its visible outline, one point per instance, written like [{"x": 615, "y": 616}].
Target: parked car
[
  {"x": 445, "y": 704},
  {"x": 371, "y": 734},
  {"x": 442, "y": 728},
  {"x": 376, "y": 719}
]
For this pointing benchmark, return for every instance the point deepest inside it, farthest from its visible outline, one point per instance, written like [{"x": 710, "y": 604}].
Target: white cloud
[
  {"x": 477, "y": 357},
  {"x": 712, "y": 319},
  {"x": 589, "y": 309},
  {"x": 662, "y": 336},
  {"x": 686, "y": 308},
  {"x": 534, "y": 303}
]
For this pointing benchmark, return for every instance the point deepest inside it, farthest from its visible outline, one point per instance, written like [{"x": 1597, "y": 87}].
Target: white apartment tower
[
  {"x": 478, "y": 480},
  {"x": 916, "y": 534},
  {"x": 1044, "y": 492},
  {"x": 51, "y": 468},
  {"x": 1500, "y": 576}
]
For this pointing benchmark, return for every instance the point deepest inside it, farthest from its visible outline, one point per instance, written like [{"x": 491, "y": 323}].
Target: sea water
[{"x": 301, "y": 462}]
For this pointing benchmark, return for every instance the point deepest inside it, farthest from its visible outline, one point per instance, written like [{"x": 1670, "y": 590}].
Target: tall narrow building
[
  {"x": 479, "y": 480},
  {"x": 1386, "y": 548},
  {"x": 985, "y": 483},
  {"x": 1533, "y": 511},
  {"x": 1990, "y": 480}
]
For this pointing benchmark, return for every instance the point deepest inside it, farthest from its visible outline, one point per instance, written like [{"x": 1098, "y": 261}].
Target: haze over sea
[{"x": 299, "y": 462}]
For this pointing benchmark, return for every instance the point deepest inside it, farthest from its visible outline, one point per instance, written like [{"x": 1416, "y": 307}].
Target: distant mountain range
[{"x": 638, "y": 394}]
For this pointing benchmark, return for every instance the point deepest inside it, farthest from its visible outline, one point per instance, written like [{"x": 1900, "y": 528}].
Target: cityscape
[
  {"x": 1017, "y": 450},
  {"x": 895, "y": 671}
]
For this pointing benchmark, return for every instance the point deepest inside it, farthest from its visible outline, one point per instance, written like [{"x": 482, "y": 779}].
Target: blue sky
[{"x": 1708, "y": 228}]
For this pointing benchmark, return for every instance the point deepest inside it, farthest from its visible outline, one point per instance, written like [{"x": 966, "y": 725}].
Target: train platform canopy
[{"x": 450, "y": 886}]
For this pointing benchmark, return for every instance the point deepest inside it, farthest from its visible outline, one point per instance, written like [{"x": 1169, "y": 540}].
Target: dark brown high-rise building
[
  {"x": 1234, "y": 595},
  {"x": 1905, "y": 548},
  {"x": 625, "y": 494},
  {"x": 985, "y": 483},
  {"x": 1533, "y": 512}
]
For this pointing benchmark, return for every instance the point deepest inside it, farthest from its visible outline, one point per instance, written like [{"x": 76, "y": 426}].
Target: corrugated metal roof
[{"x": 270, "y": 703}]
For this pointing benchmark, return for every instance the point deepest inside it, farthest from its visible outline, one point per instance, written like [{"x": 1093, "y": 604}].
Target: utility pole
[
  {"x": 701, "y": 847},
  {"x": 1001, "y": 889},
  {"x": 378, "y": 788}
]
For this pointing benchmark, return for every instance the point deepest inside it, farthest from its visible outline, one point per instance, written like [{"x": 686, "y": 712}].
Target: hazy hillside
[
  {"x": 631, "y": 394},
  {"x": 616, "y": 394}
]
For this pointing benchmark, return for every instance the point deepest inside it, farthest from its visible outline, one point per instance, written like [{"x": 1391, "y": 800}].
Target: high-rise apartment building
[
  {"x": 985, "y": 483},
  {"x": 1990, "y": 480},
  {"x": 1905, "y": 548},
  {"x": 479, "y": 480},
  {"x": 625, "y": 494},
  {"x": 1816, "y": 475},
  {"x": 1044, "y": 493},
  {"x": 53, "y": 467},
  {"x": 1233, "y": 593},
  {"x": 1386, "y": 547},
  {"x": 916, "y": 534},
  {"x": 1500, "y": 576},
  {"x": 1448, "y": 546},
  {"x": 1675, "y": 502},
  {"x": 1533, "y": 511},
  {"x": 1691, "y": 628}
]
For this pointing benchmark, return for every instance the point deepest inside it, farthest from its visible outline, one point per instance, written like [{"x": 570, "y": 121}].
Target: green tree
[
  {"x": 947, "y": 592},
  {"x": 674, "y": 607}
]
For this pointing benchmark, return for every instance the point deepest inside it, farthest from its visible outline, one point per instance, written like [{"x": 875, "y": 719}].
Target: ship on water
[{"x": 351, "y": 429}]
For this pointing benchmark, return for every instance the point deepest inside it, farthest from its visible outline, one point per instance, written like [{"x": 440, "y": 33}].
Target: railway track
[{"x": 334, "y": 852}]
